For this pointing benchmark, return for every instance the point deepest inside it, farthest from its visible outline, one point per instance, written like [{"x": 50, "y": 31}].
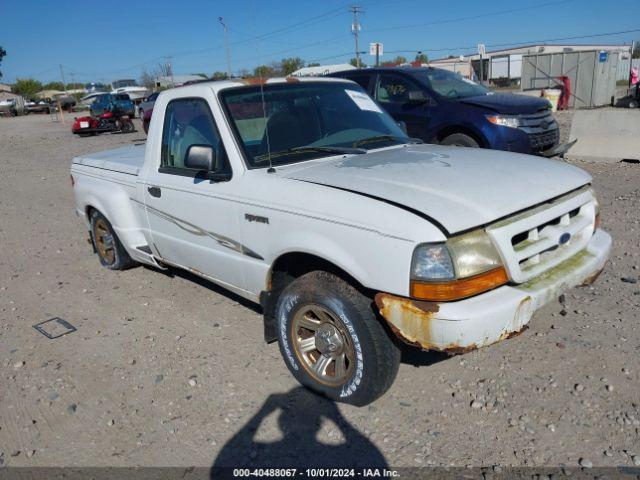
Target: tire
[
  {"x": 350, "y": 358},
  {"x": 633, "y": 104},
  {"x": 145, "y": 125},
  {"x": 460, "y": 140},
  {"x": 127, "y": 127},
  {"x": 140, "y": 113},
  {"x": 111, "y": 253}
]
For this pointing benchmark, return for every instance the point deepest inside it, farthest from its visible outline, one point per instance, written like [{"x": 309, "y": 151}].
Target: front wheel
[
  {"x": 332, "y": 341},
  {"x": 460, "y": 140},
  {"x": 633, "y": 104}
]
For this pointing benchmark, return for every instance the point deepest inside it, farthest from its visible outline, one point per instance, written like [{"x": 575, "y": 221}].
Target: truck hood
[
  {"x": 458, "y": 188},
  {"x": 509, "y": 104}
]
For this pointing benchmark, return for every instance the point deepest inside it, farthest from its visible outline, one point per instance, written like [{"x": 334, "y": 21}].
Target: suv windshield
[
  {"x": 449, "y": 84},
  {"x": 307, "y": 120}
]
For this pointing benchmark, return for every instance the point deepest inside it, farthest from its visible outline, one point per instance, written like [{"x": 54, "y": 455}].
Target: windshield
[
  {"x": 307, "y": 120},
  {"x": 449, "y": 84}
]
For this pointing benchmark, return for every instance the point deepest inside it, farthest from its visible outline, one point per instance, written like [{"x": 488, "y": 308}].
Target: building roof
[{"x": 322, "y": 70}]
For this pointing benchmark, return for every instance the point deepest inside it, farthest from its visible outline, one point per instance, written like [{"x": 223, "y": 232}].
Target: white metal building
[{"x": 506, "y": 64}]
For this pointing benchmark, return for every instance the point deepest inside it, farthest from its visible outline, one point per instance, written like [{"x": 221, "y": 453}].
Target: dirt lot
[{"x": 168, "y": 370}]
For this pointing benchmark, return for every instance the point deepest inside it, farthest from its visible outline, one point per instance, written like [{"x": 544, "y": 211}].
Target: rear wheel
[
  {"x": 460, "y": 140},
  {"x": 110, "y": 251},
  {"x": 633, "y": 103},
  {"x": 127, "y": 126},
  {"x": 332, "y": 341}
]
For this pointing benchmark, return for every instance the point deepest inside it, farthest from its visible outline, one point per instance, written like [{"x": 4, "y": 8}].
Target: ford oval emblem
[{"x": 564, "y": 238}]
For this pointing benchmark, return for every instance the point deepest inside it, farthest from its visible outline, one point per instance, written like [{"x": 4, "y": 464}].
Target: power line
[
  {"x": 514, "y": 44},
  {"x": 471, "y": 17}
]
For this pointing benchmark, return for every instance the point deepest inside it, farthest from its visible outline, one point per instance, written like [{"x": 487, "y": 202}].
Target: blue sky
[{"x": 103, "y": 41}]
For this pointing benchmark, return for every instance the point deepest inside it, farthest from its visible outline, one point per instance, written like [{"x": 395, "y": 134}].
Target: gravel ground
[{"x": 168, "y": 370}]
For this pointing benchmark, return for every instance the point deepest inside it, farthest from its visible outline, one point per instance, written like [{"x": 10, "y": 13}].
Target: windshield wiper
[
  {"x": 309, "y": 148},
  {"x": 382, "y": 138}
]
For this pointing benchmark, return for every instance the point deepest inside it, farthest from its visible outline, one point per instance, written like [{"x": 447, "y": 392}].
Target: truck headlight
[
  {"x": 463, "y": 266},
  {"x": 504, "y": 120}
]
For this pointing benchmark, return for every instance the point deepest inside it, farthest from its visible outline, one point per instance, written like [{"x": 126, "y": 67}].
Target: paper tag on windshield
[{"x": 363, "y": 101}]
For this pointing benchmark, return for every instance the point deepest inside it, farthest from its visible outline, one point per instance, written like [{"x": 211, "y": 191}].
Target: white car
[{"x": 304, "y": 196}]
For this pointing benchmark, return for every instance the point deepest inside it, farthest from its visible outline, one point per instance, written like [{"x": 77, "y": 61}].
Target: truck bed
[{"x": 127, "y": 159}]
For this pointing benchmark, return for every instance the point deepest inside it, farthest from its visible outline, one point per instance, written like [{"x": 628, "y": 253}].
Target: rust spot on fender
[{"x": 409, "y": 320}]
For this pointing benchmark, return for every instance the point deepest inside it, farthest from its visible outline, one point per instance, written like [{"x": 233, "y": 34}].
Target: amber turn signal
[
  {"x": 597, "y": 222},
  {"x": 459, "y": 289}
]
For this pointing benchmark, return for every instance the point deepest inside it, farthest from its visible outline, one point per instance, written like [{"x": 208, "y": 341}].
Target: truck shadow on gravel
[{"x": 300, "y": 415}]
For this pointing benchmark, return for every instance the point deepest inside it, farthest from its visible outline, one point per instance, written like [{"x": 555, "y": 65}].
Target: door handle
[{"x": 154, "y": 191}]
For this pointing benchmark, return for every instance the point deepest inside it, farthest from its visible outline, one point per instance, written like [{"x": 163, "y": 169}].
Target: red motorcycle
[{"x": 105, "y": 123}]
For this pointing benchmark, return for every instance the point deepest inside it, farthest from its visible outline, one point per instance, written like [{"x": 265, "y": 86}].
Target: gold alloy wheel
[
  {"x": 104, "y": 241},
  {"x": 322, "y": 344}
]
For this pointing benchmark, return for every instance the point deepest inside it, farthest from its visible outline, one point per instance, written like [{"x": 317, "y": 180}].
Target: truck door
[
  {"x": 405, "y": 101},
  {"x": 193, "y": 220}
]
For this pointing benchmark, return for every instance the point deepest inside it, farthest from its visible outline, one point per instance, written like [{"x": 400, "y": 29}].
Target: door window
[
  {"x": 360, "y": 79},
  {"x": 394, "y": 89},
  {"x": 189, "y": 122}
]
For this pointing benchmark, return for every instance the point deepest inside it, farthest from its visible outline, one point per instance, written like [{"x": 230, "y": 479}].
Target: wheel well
[
  {"x": 285, "y": 270},
  {"x": 89, "y": 210},
  {"x": 450, "y": 130}
]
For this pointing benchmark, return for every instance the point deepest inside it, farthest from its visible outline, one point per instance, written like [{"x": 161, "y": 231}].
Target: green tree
[
  {"x": 634, "y": 54},
  {"x": 27, "y": 87},
  {"x": 3, "y": 53},
  {"x": 422, "y": 58},
  {"x": 354, "y": 62},
  {"x": 218, "y": 76},
  {"x": 313, "y": 64},
  {"x": 264, "y": 71},
  {"x": 290, "y": 65},
  {"x": 75, "y": 86},
  {"x": 53, "y": 86}
]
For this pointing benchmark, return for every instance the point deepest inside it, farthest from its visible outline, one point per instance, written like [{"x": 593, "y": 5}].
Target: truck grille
[
  {"x": 541, "y": 128},
  {"x": 542, "y": 238}
]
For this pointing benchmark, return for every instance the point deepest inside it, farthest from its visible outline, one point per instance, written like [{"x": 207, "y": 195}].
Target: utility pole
[
  {"x": 355, "y": 29},
  {"x": 226, "y": 45},
  {"x": 64, "y": 85}
]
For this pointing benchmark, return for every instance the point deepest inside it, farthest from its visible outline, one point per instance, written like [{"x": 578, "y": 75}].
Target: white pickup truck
[{"x": 304, "y": 196}]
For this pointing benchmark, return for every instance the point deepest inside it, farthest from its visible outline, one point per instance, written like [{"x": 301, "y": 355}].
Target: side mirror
[
  {"x": 200, "y": 157},
  {"x": 203, "y": 158}
]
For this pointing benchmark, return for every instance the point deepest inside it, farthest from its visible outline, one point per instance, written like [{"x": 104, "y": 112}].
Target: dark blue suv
[{"x": 439, "y": 106}]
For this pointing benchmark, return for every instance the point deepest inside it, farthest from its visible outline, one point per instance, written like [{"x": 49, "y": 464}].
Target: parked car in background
[
  {"x": 116, "y": 103},
  {"x": 439, "y": 106},
  {"x": 12, "y": 106},
  {"x": 147, "y": 105},
  {"x": 308, "y": 198},
  {"x": 37, "y": 106}
]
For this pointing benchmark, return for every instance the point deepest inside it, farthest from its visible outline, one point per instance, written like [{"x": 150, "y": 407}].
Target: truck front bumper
[{"x": 476, "y": 322}]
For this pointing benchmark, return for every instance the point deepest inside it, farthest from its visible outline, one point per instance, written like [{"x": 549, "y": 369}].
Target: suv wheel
[
  {"x": 460, "y": 140},
  {"x": 332, "y": 341}
]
